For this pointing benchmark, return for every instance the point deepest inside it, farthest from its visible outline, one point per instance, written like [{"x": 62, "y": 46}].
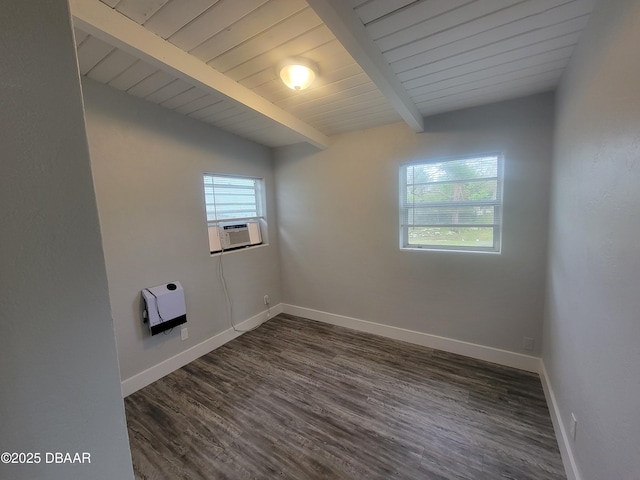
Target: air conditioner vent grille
[{"x": 238, "y": 237}]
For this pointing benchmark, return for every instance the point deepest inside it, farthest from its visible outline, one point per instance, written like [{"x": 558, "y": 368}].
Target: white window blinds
[
  {"x": 229, "y": 198},
  {"x": 452, "y": 205}
]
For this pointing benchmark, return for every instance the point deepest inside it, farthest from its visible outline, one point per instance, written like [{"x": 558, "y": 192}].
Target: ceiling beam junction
[{"x": 341, "y": 19}]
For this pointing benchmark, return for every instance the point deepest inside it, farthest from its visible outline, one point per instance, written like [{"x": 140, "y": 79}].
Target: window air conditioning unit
[{"x": 234, "y": 235}]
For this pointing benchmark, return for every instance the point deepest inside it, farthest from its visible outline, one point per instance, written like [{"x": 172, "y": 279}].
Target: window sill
[
  {"x": 238, "y": 250},
  {"x": 447, "y": 250}
]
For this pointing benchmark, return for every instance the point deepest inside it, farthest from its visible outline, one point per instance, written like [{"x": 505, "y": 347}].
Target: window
[
  {"x": 453, "y": 204},
  {"x": 230, "y": 202}
]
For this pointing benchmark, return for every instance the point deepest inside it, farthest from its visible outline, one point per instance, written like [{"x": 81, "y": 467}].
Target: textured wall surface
[
  {"x": 339, "y": 233},
  {"x": 592, "y": 326},
  {"x": 58, "y": 364},
  {"x": 148, "y": 164}
]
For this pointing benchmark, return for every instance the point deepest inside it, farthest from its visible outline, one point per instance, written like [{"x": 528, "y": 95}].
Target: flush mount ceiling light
[{"x": 297, "y": 73}]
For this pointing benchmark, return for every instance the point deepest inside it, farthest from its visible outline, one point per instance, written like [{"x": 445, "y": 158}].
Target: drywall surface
[
  {"x": 339, "y": 228},
  {"x": 592, "y": 325},
  {"x": 58, "y": 364},
  {"x": 148, "y": 164}
]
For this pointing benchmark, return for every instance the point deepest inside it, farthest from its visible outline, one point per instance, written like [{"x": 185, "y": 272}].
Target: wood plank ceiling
[{"x": 380, "y": 61}]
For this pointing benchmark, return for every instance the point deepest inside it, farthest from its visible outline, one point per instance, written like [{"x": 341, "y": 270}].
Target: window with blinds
[
  {"x": 453, "y": 204},
  {"x": 230, "y": 198}
]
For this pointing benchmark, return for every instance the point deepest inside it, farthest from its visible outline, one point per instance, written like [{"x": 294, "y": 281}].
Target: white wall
[
  {"x": 148, "y": 164},
  {"x": 592, "y": 327},
  {"x": 58, "y": 364},
  {"x": 338, "y": 211}
]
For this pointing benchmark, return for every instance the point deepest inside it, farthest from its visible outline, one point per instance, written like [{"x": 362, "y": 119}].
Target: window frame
[
  {"x": 498, "y": 205},
  {"x": 260, "y": 202}
]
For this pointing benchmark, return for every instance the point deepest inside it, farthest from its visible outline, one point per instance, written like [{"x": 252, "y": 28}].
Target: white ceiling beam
[
  {"x": 101, "y": 21},
  {"x": 340, "y": 18}
]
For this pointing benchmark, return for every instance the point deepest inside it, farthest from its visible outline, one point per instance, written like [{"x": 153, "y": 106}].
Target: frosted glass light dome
[{"x": 297, "y": 73}]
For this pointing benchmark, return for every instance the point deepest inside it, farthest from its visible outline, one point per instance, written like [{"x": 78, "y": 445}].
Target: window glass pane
[
  {"x": 453, "y": 191},
  {"x": 462, "y": 169},
  {"x": 451, "y": 236},
  {"x": 231, "y": 198},
  {"x": 451, "y": 215},
  {"x": 453, "y": 204}
]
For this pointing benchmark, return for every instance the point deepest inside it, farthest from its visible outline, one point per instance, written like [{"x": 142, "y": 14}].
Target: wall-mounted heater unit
[
  {"x": 164, "y": 307},
  {"x": 234, "y": 235}
]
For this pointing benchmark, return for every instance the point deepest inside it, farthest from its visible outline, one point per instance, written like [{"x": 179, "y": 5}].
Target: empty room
[{"x": 320, "y": 239}]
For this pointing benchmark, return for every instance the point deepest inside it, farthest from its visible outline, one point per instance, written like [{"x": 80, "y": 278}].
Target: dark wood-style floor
[{"x": 297, "y": 399}]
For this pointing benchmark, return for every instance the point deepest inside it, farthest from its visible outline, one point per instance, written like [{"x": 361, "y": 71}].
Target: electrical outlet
[
  {"x": 184, "y": 333},
  {"x": 266, "y": 299},
  {"x": 527, "y": 343},
  {"x": 573, "y": 426}
]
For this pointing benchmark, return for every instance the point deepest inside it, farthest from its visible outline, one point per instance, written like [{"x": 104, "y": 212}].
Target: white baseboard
[
  {"x": 481, "y": 352},
  {"x": 150, "y": 375},
  {"x": 569, "y": 461}
]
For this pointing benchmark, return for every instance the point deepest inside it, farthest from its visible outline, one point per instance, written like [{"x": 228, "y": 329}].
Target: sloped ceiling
[{"x": 380, "y": 61}]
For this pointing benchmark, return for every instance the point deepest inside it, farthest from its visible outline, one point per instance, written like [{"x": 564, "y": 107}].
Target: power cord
[
  {"x": 157, "y": 306},
  {"x": 229, "y": 304},
  {"x": 166, "y": 332},
  {"x": 223, "y": 280}
]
